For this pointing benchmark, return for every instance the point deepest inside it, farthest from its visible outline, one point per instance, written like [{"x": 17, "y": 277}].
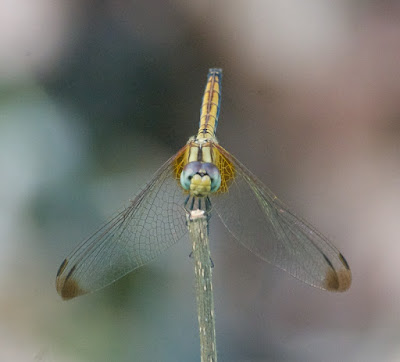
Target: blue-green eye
[
  {"x": 200, "y": 178},
  {"x": 188, "y": 172},
  {"x": 215, "y": 176}
]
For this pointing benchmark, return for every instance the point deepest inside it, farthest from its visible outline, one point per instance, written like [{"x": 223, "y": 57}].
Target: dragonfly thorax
[{"x": 200, "y": 178}]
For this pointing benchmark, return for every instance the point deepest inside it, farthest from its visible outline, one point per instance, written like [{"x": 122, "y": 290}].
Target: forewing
[
  {"x": 151, "y": 223},
  {"x": 265, "y": 226}
]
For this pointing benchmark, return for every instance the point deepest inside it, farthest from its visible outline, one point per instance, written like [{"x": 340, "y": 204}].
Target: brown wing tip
[
  {"x": 68, "y": 288},
  {"x": 338, "y": 281}
]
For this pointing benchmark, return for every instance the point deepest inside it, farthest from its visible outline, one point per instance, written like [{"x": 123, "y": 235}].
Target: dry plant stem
[{"x": 197, "y": 225}]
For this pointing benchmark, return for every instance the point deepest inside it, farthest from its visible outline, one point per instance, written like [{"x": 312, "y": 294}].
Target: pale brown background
[{"x": 95, "y": 96}]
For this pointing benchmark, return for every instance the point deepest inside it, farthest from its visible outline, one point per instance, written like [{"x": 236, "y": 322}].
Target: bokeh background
[{"x": 95, "y": 96}]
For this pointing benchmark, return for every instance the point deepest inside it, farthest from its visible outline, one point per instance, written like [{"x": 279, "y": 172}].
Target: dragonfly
[{"x": 203, "y": 175}]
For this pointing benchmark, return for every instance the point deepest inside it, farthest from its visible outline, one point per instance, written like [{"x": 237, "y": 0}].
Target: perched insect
[{"x": 203, "y": 175}]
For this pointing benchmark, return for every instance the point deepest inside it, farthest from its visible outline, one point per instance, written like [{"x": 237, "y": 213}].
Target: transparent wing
[
  {"x": 265, "y": 226},
  {"x": 151, "y": 223}
]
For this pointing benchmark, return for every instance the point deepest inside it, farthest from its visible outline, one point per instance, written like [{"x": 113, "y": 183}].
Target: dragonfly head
[{"x": 200, "y": 178}]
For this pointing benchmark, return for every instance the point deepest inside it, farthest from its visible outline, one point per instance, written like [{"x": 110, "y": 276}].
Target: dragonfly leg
[{"x": 189, "y": 204}]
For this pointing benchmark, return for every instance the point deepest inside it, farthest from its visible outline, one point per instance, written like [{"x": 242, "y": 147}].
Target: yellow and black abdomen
[{"x": 210, "y": 105}]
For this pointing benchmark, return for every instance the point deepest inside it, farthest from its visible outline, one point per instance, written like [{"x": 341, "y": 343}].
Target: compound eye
[
  {"x": 215, "y": 176},
  {"x": 191, "y": 169},
  {"x": 200, "y": 179}
]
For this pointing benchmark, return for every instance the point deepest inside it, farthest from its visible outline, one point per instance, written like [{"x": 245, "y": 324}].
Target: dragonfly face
[
  {"x": 200, "y": 176},
  {"x": 156, "y": 218},
  {"x": 200, "y": 179}
]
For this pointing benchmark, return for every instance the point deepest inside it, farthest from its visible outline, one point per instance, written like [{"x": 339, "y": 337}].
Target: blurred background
[{"x": 95, "y": 96}]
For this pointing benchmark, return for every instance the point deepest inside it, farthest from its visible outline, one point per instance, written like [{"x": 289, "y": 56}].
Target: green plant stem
[{"x": 197, "y": 226}]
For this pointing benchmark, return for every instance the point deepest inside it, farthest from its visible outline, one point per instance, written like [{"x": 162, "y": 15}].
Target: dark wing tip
[
  {"x": 68, "y": 288},
  {"x": 62, "y": 267},
  {"x": 337, "y": 281}
]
